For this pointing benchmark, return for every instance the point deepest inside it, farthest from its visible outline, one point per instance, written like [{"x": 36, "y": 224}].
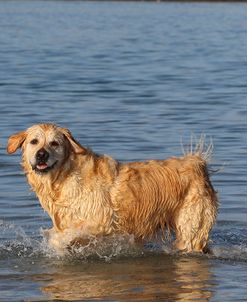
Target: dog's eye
[
  {"x": 54, "y": 144},
  {"x": 34, "y": 141}
]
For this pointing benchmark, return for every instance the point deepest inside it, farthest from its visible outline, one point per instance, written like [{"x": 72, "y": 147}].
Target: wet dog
[{"x": 97, "y": 195}]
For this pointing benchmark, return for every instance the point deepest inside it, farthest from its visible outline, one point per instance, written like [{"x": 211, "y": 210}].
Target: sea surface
[{"x": 136, "y": 81}]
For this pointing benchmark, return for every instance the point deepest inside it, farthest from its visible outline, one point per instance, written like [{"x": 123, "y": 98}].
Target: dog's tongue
[{"x": 42, "y": 166}]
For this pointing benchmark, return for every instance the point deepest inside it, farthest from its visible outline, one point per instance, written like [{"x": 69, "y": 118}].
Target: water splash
[
  {"x": 107, "y": 248},
  {"x": 227, "y": 244},
  {"x": 230, "y": 243},
  {"x": 14, "y": 242}
]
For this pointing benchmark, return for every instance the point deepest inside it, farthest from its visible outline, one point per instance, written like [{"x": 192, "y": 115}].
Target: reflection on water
[
  {"x": 196, "y": 279},
  {"x": 161, "y": 278}
]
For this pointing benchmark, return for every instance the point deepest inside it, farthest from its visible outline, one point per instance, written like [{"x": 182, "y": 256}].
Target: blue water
[{"x": 131, "y": 80}]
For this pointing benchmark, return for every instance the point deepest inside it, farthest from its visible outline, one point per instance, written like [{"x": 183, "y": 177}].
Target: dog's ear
[
  {"x": 76, "y": 147},
  {"x": 15, "y": 141}
]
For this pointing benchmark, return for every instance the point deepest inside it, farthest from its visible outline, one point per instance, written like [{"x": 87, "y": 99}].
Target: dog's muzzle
[{"x": 41, "y": 165}]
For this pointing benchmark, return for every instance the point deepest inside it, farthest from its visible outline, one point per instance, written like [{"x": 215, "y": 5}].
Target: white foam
[
  {"x": 14, "y": 242},
  {"x": 233, "y": 252},
  {"x": 105, "y": 248}
]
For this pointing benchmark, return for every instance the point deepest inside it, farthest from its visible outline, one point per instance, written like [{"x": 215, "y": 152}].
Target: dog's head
[{"x": 45, "y": 146}]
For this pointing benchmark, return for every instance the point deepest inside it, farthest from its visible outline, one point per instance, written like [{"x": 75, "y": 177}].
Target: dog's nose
[{"x": 42, "y": 155}]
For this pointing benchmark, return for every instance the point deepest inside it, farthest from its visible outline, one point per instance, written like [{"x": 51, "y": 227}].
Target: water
[{"x": 130, "y": 80}]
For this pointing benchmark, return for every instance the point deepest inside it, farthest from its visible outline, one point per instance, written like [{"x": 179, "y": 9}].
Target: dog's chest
[{"x": 75, "y": 204}]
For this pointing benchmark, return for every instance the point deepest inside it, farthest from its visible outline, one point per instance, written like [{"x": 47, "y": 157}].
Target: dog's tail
[{"x": 200, "y": 147}]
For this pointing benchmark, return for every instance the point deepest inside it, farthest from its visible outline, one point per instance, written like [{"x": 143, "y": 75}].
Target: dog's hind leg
[{"x": 193, "y": 223}]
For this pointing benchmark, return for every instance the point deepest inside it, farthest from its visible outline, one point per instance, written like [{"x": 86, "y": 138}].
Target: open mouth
[{"x": 43, "y": 167}]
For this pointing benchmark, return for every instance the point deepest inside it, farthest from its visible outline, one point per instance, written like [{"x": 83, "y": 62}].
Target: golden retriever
[{"x": 97, "y": 195}]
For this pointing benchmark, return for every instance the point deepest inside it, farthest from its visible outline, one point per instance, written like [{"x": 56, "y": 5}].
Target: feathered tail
[{"x": 199, "y": 147}]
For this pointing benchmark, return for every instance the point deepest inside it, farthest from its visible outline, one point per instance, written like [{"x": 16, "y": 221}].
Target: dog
[{"x": 97, "y": 195}]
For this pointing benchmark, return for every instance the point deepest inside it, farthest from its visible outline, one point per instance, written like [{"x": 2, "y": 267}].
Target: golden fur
[{"x": 97, "y": 195}]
